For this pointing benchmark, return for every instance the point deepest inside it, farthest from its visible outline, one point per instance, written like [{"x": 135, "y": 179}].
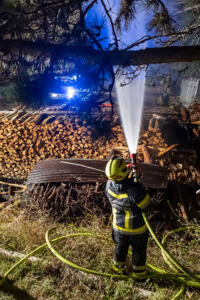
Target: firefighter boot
[
  {"x": 119, "y": 269},
  {"x": 139, "y": 275}
]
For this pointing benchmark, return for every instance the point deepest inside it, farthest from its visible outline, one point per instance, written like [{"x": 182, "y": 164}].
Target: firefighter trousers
[{"x": 139, "y": 248}]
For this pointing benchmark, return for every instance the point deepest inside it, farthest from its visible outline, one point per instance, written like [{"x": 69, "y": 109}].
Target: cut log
[
  {"x": 196, "y": 122},
  {"x": 161, "y": 153},
  {"x": 146, "y": 154}
]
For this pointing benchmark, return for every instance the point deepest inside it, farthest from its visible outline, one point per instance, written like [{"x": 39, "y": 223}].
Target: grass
[{"x": 50, "y": 279}]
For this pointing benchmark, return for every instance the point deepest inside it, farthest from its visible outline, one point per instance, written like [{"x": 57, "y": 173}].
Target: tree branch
[
  {"x": 93, "y": 38},
  {"x": 111, "y": 23},
  {"x": 178, "y": 35},
  {"x": 89, "y": 7}
]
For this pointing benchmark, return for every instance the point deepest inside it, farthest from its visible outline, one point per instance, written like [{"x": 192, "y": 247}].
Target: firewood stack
[
  {"x": 182, "y": 162},
  {"x": 26, "y": 138}
]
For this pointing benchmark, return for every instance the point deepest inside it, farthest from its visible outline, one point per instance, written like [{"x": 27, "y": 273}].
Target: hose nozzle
[
  {"x": 132, "y": 165},
  {"x": 133, "y": 157}
]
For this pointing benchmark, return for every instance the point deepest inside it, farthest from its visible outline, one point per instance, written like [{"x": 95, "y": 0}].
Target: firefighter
[{"x": 128, "y": 199}]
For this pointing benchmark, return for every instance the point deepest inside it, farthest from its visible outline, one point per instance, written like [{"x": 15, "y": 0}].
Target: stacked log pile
[
  {"x": 26, "y": 138},
  {"x": 182, "y": 163}
]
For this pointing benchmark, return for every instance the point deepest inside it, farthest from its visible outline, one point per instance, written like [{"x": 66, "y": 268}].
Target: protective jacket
[{"x": 127, "y": 199}]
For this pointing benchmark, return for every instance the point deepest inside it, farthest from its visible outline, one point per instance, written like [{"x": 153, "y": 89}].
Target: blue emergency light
[{"x": 70, "y": 92}]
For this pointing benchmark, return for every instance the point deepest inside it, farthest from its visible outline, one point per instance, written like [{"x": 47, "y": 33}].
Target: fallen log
[
  {"x": 8, "y": 253},
  {"x": 161, "y": 153}
]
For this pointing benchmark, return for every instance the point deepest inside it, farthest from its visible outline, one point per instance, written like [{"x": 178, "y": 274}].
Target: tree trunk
[{"x": 125, "y": 58}]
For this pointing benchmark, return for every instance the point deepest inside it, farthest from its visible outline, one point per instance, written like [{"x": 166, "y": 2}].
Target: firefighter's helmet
[{"x": 116, "y": 168}]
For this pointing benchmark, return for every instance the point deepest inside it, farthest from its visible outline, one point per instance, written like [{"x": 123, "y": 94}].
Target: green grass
[{"x": 50, "y": 279}]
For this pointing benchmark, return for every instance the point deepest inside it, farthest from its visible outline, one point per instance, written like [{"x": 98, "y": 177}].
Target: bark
[
  {"x": 124, "y": 58},
  {"x": 156, "y": 56}
]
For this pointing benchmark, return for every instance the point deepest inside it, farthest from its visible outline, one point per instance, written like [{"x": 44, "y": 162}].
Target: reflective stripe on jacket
[{"x": 127, "y": 199}]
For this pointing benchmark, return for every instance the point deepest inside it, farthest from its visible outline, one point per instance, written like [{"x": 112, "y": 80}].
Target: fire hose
[
  {"x": 180, "y": 273},
  {"x": 183, "y": 276}
]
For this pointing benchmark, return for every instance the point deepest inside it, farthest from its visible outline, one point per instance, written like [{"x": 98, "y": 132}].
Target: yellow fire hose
[{"x": 182, "y": 275}]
